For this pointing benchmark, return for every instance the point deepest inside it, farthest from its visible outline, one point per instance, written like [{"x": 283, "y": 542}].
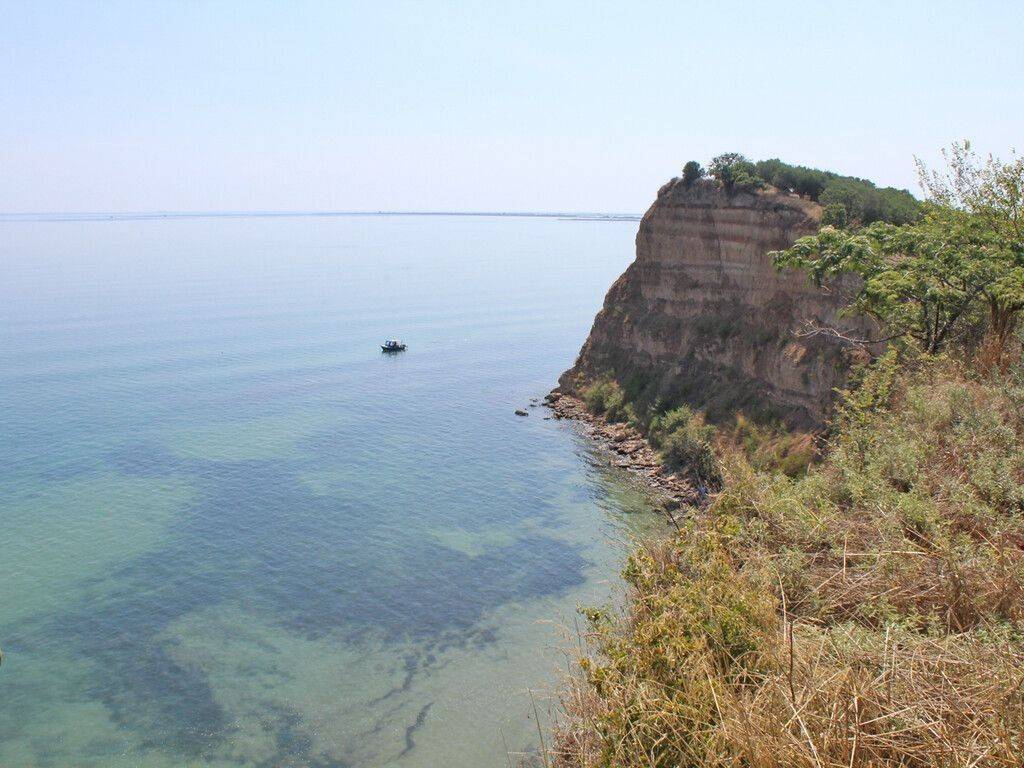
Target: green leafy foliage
[
  {"x": 848, "y": 200},
  {"x": 693, "y": 171},
  {"x": 834, "y": 215},
  {"x": 736, "y": 173},
  {"x": 605, "y": 397},
  {"x": 685, "y": 441},
  {"x": 991, "y": 192},
  {"x": 864, "y": 203},
  {"x": 949, "y": 275},
  {"x": 932, "y": 281}
]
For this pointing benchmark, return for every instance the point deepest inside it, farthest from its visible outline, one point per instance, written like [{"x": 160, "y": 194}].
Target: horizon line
[{"x": 140, "y": 215}]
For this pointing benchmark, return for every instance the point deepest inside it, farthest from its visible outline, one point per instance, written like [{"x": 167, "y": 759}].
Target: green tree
[
  {"x": 692, "y": 171},
  {"x": 865, "y": 203},
  {"x": 745, "y": 178},
  {"x": 736, "y": 173},
  {"x": 849, "y": 195},
  {"x": 809, "y": 182},
  {"x": 957, "y": 268},
  {"x": 722, "y": 167},
  {"x": 769, "y": 170},
  {"x": 993, "y": 192},
  {"x": 930, "y": 280},
  {"x": 834, "y": 214}
]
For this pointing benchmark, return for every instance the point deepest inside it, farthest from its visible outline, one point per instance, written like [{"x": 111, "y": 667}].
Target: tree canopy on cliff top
[{"x": 847, "y": 199}]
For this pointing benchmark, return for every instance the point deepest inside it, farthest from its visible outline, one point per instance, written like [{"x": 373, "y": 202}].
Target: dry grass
[{"x": 868, "y": 614}]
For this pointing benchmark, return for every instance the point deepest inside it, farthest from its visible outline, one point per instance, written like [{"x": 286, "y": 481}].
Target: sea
[{"x": 234, "y": 533}]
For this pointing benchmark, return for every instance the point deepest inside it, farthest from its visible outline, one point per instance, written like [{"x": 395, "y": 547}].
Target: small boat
[{"x": 392, "y": 345}]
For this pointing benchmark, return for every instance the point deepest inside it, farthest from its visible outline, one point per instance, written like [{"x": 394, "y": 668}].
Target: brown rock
[{"x": 703, "y": 315}]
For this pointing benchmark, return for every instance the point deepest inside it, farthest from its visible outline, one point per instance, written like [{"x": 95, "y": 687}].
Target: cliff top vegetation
[{"x": 847, "y": 200}]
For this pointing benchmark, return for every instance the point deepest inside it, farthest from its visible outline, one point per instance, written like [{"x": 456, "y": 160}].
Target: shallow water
[{"x": 236, "y": 534}]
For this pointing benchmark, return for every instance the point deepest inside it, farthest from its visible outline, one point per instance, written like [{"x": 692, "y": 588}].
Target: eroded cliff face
[{"x": 703, "y": 317}]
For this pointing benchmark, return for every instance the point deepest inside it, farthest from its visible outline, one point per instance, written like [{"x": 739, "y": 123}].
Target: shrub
[
  {"x": 684, "y": 439},
  {"x": 605, "y": 397},
  {"x": 772, "y": 448},
  {"x": 861, "y": 201},
  {"x": 692, "y": 171},
  {"x": 736, "y": 173},
  {"x": 647, "y": 697},
  {"x": 834, "y": 215},
  {"x": 745, "y": 178},
  {"x": 864, "y": 203}
]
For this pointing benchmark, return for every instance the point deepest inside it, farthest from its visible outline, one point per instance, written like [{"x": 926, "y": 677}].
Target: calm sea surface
[{"x": 233, "y": 533}]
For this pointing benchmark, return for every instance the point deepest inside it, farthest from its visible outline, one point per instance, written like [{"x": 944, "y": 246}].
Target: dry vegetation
[{"x": 866, "y": 613}]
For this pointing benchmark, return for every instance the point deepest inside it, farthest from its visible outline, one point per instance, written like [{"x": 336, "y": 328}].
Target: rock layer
[{"x": 703, "y": 317}]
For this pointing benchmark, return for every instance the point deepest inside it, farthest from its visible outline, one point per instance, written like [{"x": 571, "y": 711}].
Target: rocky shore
[{"x": 627, "y": 449}]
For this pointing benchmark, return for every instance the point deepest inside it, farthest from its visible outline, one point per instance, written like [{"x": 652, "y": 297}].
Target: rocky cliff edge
[{"x": 702, "y": 316}]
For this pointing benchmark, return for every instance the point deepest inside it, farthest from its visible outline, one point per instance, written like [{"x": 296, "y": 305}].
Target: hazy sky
[{"x": 584, "y": 106}]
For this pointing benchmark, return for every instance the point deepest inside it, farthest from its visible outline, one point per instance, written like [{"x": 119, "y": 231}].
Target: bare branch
[{"x": 813, "y": 328}]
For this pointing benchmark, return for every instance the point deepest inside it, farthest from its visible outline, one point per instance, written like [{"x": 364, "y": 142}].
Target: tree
[
  {"x": 721, "y": 167},
  {"x": 745, "y": 178},
  {"x": 865, "y": 203},
  {"x": 847, "y": 194},
  {"x": 769, "y": 170},
  {"x": 989, "y": 188},
  {"x": 692, "y": 171},
  {"x": 834, "y": 214},
  {"x": 930, "y": 280},
  {"x": 809, "y": 182},
  {"x": 725, "y": 161},
  {"x": 956, "y": 269},
  {"x": 736, "y": 173},
  {"x": 993, "y": 192}
]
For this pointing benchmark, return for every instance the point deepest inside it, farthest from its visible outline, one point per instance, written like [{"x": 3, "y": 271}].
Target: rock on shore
[{"x": 627, "y": 449}]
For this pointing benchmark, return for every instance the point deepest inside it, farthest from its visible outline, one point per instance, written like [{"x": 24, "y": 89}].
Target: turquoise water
[{"x": 236, "y": 534}]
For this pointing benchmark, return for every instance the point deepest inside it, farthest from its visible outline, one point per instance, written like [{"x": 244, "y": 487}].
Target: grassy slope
[{"x": 869, "y": 613}]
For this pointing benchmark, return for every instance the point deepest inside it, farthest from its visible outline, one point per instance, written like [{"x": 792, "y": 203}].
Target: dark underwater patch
[{"x": 256, "y": 536}]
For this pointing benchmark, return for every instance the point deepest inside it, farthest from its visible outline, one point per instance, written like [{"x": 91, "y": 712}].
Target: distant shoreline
[{"x": 147, "y": 216}]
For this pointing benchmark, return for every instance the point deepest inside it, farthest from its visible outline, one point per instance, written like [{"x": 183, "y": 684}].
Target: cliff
[{"x": 703, "y": 317}]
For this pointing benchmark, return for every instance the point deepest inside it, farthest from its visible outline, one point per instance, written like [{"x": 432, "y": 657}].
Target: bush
[
  {"x": 736, "y": 173},
  {"x": 648, "y": 696},
  {"x": 605, "y": 398},
  {"x": 834, "y": 215},
  {"x": 745, "y": 178},
  {"x": 692, "y": 171},
  {"x": 684, "y": 439},
  {"x": 773, "y": 449},
  {"x": 864, "y": 203}
]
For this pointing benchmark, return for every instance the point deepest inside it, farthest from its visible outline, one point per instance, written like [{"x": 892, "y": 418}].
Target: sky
[{"x": 473, "y": 106}]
